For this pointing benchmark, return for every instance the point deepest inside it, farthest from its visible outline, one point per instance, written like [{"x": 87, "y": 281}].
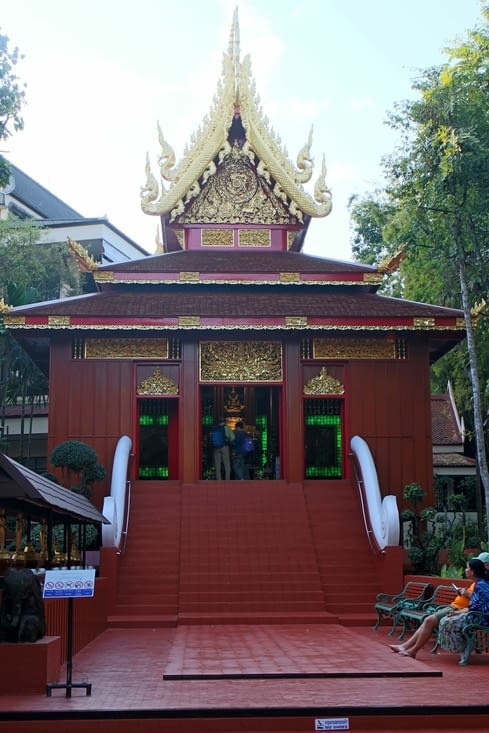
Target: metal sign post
[{"x": 69, "y": 584}]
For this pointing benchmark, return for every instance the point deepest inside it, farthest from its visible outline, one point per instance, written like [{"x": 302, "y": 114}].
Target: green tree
[
  {"x": 29, "y": 272},
  {"x": 438, "y": 195},
  {"x": 12, "y": 99}
]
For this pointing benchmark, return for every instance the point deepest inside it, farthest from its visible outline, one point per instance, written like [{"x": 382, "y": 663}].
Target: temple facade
[{"x": 232, "y": 320}]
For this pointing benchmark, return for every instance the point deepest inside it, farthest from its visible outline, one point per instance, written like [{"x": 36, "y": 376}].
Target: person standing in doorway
[
  {"x": 239, "y": 466},
  {"x": 222, "y": 437}
]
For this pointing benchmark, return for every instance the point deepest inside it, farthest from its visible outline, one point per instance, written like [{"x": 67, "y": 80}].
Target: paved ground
[{"x": 276, "y": 666}]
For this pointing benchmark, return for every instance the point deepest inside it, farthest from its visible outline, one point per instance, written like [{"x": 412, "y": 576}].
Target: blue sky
[{"x": 101, "y": 73}]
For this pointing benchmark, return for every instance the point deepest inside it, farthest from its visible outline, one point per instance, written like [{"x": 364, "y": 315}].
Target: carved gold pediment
[
  {"x": 157, "y": 383},
  {"x": 235, "y": 194},
  {"x": 324, "y": 383}
]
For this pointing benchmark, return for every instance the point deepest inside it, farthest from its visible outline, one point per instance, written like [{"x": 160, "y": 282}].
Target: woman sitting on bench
[
  {"x": 460, "y": 603},
  {"x": 450, "y": 630}
]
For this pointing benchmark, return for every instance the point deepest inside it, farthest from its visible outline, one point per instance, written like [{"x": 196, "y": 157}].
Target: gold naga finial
[
  {"x": 391, "y": 264},
  {"x": 4, "y": 307},
  {"x": 86, "y": 263},
  {"x": 478, "y": 308}
]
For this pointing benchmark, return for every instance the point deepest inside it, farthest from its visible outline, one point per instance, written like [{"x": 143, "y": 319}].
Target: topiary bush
[{"x": 79, "y": 464}]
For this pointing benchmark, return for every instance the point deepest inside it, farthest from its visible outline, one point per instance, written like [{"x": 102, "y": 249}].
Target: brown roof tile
[
  {"x": 445, "y": 429},
  {"x": 453, "y": 460},
  {"x": 237, "y": 262},
  {"x": 232, "y": 303}
]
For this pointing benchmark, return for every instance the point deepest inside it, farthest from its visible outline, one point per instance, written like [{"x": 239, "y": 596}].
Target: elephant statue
[{"x": 22, "y": 617}]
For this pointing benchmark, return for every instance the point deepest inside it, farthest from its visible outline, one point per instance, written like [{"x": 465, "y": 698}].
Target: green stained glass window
[
  {"x": 323, "y": 438},
  {"x": 153, "y": 439}
]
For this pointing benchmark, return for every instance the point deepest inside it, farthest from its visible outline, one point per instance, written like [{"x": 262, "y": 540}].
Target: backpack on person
[
  {"x": 244, "y": 443},
  {"x": 218, "y": 436}
]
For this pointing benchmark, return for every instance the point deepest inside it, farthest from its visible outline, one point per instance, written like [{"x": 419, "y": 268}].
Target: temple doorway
[{"x": 259, "y": 409}]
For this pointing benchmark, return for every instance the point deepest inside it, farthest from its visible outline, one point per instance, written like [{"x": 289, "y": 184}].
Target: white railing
[
  {"x": 117, "y": 506},
  {"x": 381, "y": 516}
]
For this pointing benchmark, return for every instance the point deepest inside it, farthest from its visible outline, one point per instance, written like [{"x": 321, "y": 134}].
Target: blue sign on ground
[{"x": 75, "y": 583}]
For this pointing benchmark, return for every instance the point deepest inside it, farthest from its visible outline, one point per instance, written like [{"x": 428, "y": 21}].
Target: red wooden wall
[{"x": 387, "y": 402}]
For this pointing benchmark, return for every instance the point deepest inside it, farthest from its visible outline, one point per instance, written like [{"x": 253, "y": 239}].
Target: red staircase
[
  {"x": 148, "y": 576},
  {"x": 245, "y": 551}
]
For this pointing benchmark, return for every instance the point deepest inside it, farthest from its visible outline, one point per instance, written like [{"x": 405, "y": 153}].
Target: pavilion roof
[{"x": 26, "y": 489}]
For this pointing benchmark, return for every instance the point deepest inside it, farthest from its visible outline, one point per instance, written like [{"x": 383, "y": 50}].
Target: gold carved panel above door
[{"x": 240, "y": 361}]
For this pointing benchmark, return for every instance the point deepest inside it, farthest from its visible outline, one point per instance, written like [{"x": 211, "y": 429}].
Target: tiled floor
[{"x": 198, "y": 668}]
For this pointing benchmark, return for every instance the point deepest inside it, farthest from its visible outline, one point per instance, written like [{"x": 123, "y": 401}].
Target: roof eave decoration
[
  {"x": 17, "y": 321},
  {"x": 236, "y": 97},
  {"x": 85, "y": 261},
  {"x": 391, "y": 264},
  {"x": 4, "y": 307},
  {"x": 477, "y": 311}
]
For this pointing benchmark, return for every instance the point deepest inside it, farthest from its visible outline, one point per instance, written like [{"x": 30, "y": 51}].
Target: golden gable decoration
[
  {"x": 157, "y": 383},
  {"x": 209, "y": 146},
  {"x": 240, "y": 361},
  {"x": 236, "y": 195},
  {"x": 324, "y": 383}
]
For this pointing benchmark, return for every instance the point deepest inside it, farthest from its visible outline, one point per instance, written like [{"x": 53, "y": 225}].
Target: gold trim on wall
[
  {"x": 189, "y": 276},
  {"x": 289, "y": 277},
  {"x": 295, "y": 321},
  {"x": 104, "y": 276},
  {"x": 240, "y": 361},
  {"x": 126, "y": 348},
  {"x": 355, "y": 348},
  {"x": 58, "y": 320},
  {"x": 372, "y": 277},
  {"x": 216, "y": 238},
  {"x": 14, "y": 320},
  {"x": 188, "y": 321},
  {"x": 254, "y": 237},
  {"x": 424, "y": 322}
]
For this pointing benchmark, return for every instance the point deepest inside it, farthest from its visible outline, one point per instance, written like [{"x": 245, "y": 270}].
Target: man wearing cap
[{"x": 417, "y": 641}]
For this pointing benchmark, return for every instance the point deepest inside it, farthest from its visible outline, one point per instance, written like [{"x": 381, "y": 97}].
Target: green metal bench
[
  {"x": 411, "y": 618},
  {"x": 476, "y": 635},
  {"x": 388, "y": 606}
]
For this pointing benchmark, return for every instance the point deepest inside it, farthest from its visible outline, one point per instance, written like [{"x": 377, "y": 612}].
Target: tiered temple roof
[{"x": 235, "y": 216}]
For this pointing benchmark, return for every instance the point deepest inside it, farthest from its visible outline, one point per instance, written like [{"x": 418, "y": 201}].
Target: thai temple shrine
[{"x": 231, "y": 319}]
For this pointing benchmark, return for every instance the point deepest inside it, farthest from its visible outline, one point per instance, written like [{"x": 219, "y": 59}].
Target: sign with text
[
  {"x": 76, "y": 583},
  {"x": 331, "y": 724}
]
